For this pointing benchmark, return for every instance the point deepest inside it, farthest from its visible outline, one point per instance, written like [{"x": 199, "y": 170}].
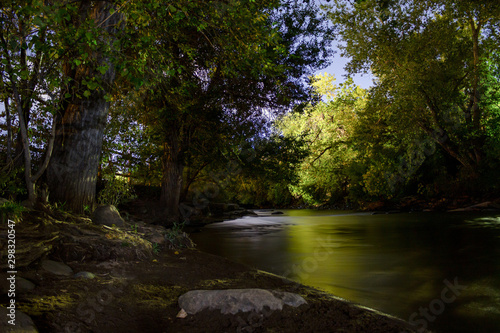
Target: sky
[{"x": 337, "y": 69}]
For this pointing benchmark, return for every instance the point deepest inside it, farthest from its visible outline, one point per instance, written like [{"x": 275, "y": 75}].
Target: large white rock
[
  {"x": 107, "y": 215},
  {"x": 236, "y": 300}
]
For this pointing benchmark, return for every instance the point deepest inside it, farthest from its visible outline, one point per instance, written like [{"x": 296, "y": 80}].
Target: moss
[
  {"x": 39, "y": 305},
  {"x": 219, "y": 283},
  {"x": 153, "y": 296}
]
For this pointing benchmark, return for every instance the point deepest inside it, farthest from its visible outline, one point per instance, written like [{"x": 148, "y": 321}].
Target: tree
[
  {"x": 80, "y": 122},
  {"x": 430, "y": 58},
  {"x": 222, "y": 76},
  {"x": 327, "y": 129},
  {"x": 30, "y": 79}
]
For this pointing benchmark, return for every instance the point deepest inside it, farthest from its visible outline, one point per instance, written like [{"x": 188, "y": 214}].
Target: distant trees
[
  {"x": 433, "y": 60},
  {"x": 326, "y": 131},
  {"x": 429, "y": 125}
]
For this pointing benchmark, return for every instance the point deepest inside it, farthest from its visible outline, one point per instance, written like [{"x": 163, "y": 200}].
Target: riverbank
[
  {"x": 141, "y": 296},
  {"x": 117, "y": 291},
  {"x": 418, "y": 204}
]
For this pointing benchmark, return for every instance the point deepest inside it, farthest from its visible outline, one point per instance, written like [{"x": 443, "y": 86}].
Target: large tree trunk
[
  {"x": 72, "y": 173},
  {"x": 173, "y": 167}
]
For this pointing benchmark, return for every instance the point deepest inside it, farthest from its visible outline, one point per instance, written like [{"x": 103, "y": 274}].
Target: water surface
[{"x": 438, "y": 270}]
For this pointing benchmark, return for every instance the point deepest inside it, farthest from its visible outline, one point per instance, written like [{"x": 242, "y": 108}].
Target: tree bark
[
  {"x": 72, "y": 172},
  {"x": 9, "y": 130},
  {"x": 189, "y": 180},
  {"x": 171, "y": 186}
]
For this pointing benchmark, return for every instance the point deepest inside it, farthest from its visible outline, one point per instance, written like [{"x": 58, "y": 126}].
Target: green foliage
[
  {"x": 431, "y": 61},
  {"x": 176, "y": 237},
  {"x": 116, "y": 191},
  {"x": 9, "y": 184},
  {"x": 87, "y": 210},
  {"x": 261, "y": 174},
  {"x": 156, "y": 248},
  {"x": 429, "y": 125},
  {"x": 327, "y": 129},
  {"x": 11, "y": 210}
]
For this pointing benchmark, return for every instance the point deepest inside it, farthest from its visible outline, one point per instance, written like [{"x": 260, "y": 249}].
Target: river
[{"x": 440, "y": 271}]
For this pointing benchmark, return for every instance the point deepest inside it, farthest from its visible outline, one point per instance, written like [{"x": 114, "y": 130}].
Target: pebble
[{"x": 84, "y": 275}]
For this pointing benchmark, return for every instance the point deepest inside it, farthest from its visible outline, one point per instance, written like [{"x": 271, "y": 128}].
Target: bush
[
  {"x": 10, "y": 186},
  {"x": 10, "y": 210},
  {"x": 116, "y": 191}
]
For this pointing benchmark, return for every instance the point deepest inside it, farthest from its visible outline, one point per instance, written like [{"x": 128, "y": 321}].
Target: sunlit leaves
[
  {"x": 327, "y": 129},
  {"x": 429, "y": 59}
]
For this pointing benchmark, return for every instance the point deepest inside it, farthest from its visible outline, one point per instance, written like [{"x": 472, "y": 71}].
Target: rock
[
  {"x": 182, "y": 314},
  {"x": 217, "y": 208},
  {"x": 232, "y": 207},
  {"x": 488, "y": 205},
  {"x": 107, "y": 215},
  {"x": 23, "y": 322},
  {"x": 23, "y": 284},
  {"x": 250, "y": 213},
  {"x": 2, "y": 201},
  {"x": 84, "y": 275},
  {"x": 236, "y": 300},
  {"x": 57, "y": 268},
  {"x": 156, "y": 238}
]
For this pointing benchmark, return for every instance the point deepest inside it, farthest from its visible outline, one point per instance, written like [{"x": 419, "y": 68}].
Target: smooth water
[{"x": 437, "y": 270}]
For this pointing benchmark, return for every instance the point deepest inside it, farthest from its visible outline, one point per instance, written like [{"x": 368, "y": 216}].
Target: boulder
[
  {"x": 157, "y": 238},
  {"x": 23, "y": 322},
  {"x": 232, "y": 207},
  {"x": 237, "y": 300},
  {"x": 57, "y": 268},
  {"x": 23, "y": 284},
  {"x": 217, "y": 208},
  {"x": 107, "y": 215}
]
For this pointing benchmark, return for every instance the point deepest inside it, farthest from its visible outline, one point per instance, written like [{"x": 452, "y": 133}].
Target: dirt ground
[
  {"x": 141, "y": 296},
  {"x": 137, "y": 285}
]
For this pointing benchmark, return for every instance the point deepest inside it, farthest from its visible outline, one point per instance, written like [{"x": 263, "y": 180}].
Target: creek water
[{"x": 440, "y": 271}]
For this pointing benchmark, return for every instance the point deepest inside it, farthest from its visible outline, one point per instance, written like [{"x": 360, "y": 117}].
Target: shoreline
[
  {"x": 116, "y": 280},
  {"x": 125, "y": 294}
]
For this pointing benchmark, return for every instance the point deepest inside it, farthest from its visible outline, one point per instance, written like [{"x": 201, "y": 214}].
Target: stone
[
  {"x": 24, "y": 285},
  {"x": 107, "y": 215},
  {"x": 156, "y": 238},
  {"x": 23, "y": 322},
  {"x": 237, "y": 300},
  {"x": 84, "y": 275},
  {"x": 182, "y": 314},
  {"x": 250, "y": 213},
  {"x": 484, "y": 206},
  {"x": 57, "y": 268},
  {"x": 232, "y": 207},
  {"x": 217, "y": 208}
]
